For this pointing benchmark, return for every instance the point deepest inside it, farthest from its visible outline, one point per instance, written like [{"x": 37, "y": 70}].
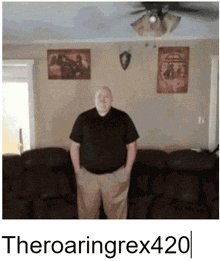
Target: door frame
[{"x": 213, "y": 102}]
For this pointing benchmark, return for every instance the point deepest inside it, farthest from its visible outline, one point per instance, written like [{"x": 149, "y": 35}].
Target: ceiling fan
[{"x": 160, "y": 18}]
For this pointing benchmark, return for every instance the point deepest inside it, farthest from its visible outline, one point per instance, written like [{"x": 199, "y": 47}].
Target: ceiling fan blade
[
  {"x": 171, "y": 22},
  {"x": 154, "y": 5},
  {"x": 136, "y": 4},
  {"x": 212, "y": 6},
  {"x": 183, "y": 9},
  {"x": 138, "y": 11},
  {"x": 204, "y": 15},
  {"x": 149, "y": 6}
]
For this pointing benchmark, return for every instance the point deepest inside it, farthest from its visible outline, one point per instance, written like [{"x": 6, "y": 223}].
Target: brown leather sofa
[{"x": 184, "y": 184}]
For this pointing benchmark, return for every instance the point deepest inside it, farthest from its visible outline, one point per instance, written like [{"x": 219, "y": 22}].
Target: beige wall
[{"x": 161, "y": 119}]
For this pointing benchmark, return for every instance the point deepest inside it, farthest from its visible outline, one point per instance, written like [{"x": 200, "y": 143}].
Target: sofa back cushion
[
  {"x": 152, "y": 157},
  {"x": 191, "y": 160},
  {"x": 12, "y": 165},
  {"x": 50, "y": 157}
]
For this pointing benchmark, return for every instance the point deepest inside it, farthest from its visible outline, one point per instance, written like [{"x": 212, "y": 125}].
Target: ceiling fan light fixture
[
  {"x": 144, "y": 27},
  {"x": 153, "y": 19},
  {"x": 151, "y": 24}
]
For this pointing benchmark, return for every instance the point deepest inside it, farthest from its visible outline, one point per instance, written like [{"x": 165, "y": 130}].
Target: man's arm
[
  {"x": 75, "y": 155},
  {"x": 131, "y": 155}
]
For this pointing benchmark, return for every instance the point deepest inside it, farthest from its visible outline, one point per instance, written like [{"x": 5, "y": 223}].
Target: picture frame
[
  {"x": 69, "y": 64},
  {"x": 173, "y": 67}
]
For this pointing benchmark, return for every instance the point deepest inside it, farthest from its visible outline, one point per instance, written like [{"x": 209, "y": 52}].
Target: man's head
[{"x": 103, "y": 100}]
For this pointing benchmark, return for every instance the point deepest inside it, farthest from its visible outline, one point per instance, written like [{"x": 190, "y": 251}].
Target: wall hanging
[
  {"x": 69, "y": 64},
  {"x": 125, "y": 59},
  {"x": 173, "y": 64}
]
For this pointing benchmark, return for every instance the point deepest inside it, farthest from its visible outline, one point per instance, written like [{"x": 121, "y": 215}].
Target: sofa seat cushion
[
  {"x": 54, "y": 209},
  {"x": 158, "y": 184},
  {"x": 166, "y": 208},
  {"x": 138, "y": 208},
  {"x": 38, "y": 181},
  {"x": 41, "y": 181},
  {"x": 50, "y": 157},
  {"x": 7, "y": 195},
  {"x": 146, "y": 180},
  {"x": 210, "y": 190},
  {"x": 214, "y": 209},
  {"x": 35, "y": 182},
  {"x": 12, "y": 165},
  {"x": 63, "y": 184},
  {"x": 184, "y": 186},
  {"x": 191, "y": 160},
  {"x": 70, "y": 174},
  {"x": 17, "y": 187},
  {"x": 6, "y": 186},
  {"x": 16, "y": 209}
]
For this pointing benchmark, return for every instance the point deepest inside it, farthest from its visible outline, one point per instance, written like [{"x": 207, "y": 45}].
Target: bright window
[{"x": 17, "y": 107}]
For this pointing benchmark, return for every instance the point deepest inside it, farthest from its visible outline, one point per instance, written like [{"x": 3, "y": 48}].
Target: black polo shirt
[{"x": 103, "y": 139}]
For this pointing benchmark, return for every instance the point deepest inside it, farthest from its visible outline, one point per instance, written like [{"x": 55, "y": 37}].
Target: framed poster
[
  {"x": 69, "y": 64},
  {"x": 173, "y": 65}
]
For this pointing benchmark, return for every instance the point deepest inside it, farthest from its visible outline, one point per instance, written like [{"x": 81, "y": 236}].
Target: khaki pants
[{"x": 112, "y": 188}]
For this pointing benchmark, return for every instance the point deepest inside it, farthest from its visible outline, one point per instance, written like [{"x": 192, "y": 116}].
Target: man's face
[{"x": 103, "y": 100}]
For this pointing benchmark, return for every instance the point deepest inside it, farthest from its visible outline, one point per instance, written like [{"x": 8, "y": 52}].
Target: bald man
[{"x": 103, "y": 151}]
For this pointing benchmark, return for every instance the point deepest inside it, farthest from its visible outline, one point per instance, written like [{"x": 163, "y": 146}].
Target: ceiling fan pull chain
[{"x": 154, "y": 45}]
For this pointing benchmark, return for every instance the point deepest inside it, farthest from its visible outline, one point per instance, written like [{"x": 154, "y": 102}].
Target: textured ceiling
[{"x": 54, "y": 22}]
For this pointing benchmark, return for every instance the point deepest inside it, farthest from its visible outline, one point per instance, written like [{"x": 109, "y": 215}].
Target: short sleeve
[
  {"x": 131, "y": 134},
  {"x": 76, "y": 133}
]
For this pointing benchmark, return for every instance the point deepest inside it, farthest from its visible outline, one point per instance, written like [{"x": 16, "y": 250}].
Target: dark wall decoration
[
  {"x": 69, "y": 64},
  {"x": 125, "y": 59},
  {"x": 173, "y": 67}
]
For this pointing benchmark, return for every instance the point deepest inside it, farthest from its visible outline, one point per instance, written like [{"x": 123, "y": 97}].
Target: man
[{"x": 103, "y": 152}]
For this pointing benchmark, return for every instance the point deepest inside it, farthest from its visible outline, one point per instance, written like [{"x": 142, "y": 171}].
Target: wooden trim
[{"x": 213, "y": 102}]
